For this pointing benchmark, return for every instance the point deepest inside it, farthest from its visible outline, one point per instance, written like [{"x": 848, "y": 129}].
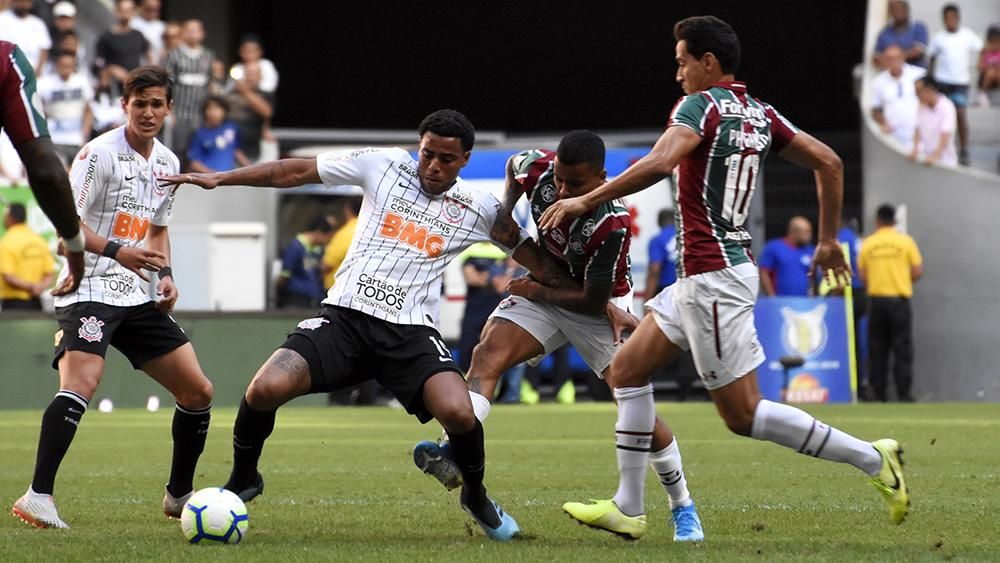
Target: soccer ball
[{"x": 214, "y": 515}]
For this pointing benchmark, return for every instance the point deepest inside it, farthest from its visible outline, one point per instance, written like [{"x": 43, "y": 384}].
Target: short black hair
[
  {"x": 320, "y": 224},
  {"x": 449, "y": 123},
  {"x": 148, "y": 77},
  {"x": 215, "y": 99},
  {"x": 950, "y": 8},
  {"x": 709, "y": 34},
  {"x": 581, "y": 146},
  {"x": 665, "y": 217},
  {"x": 886, "y": 214},
  {"x": 929, "y": 82},
  {"x": 63, "y": 53},
  {"x": 17, "y": 212}
]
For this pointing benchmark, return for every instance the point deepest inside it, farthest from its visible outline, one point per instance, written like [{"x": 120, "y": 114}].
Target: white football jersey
[
  {"x": 405, "y": 236},
  {"x": 117, "y": 195}
]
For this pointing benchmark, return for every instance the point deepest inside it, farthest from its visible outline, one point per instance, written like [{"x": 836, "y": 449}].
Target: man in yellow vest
[
  {"x": 336, "y": 250},
  {"x": 889, "y": 263},
  {"x": 26, "y": 264}
]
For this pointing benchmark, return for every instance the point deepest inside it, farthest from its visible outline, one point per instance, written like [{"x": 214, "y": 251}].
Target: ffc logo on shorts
[
  {"x": 507, "y": 303},
  {"x": 90, "y": 329},
  {"x": 312, "y": 324},
  {"x": 548, "y": 193}
]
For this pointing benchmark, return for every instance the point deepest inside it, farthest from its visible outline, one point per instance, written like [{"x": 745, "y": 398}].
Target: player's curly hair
[
  {"x": 581, "y": 146},
  {"x": 709, "y": 34},
  {"x": 148, "y": 77},
  {"x": 449, "y": 123}
]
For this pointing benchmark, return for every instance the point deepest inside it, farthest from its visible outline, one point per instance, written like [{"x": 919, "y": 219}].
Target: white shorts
[
  {"x": 554, "y": 326},
  {"x": 711, "y": 314}
]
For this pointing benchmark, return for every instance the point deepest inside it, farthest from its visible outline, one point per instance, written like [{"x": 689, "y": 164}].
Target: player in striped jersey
[
  {"x": 537, "y": 320},
  {"x": 716, "y": 139},
  {"x": 125, "y": 213},
  {"x": 23, "y": 119},
  {"x": 379, "y": 318}
]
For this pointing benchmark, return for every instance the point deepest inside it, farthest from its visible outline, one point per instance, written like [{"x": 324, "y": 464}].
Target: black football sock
[
  {"x": 189, "y": 429},
  {"x": 58, "y": 428},
  {"x": 470, "y": 455},
  {"x": 252, "y": 428}
]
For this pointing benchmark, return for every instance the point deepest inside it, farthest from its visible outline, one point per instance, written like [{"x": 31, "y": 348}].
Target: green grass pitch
[{"x": 341, "y": 486}]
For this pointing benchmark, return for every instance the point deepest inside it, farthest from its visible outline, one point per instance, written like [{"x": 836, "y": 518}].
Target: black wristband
[
  {"x": 165, "y": 272},
  {"x": 111, "y": 249}
]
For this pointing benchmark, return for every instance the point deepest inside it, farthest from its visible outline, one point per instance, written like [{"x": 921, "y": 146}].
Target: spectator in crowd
[
  {"x": 106, "y": 107},
  {"x": 784, "y": 263},
  {"x": 66, "y": 97},
  {"x": 148, "y": 22},
  {"x": 662, "y": 269},
  {"x": 951, "y": 53},
  {"x": 989, "y": 65},
  {"x": 26, "y": 265},
  {"x": 894, "y": 103},
  {"x": 215, "y": 145},
  {"x": 336, "y": 251},
  {"x": 934, "y": 137},
  {"x": 487, "y": 272},
  {"x": 171, "y": 40},
  {"x": 190, "y": 65},
  {"x": 909, "y": 36},
  {"x": 300, "y": 284},
  {"x": 121, "y": 49},
  {"x": 250, "y": 108},
  {"x": 889, "y": 264},
  {"x": 69, "y": 42},
  {"x": 251, "y": 51},
  {"x": 29, "y": 32},
  {"x": 64, "y": 37}
]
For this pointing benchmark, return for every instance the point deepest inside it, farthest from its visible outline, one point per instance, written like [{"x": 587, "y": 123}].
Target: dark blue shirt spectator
[
  {"x": 215, "y": 145},
  {"x": 910, "y": 36},
  {"x": 301, "y": 281},
  {"x": 663, "y": 251},
  {"x": 784, "y": 263}
]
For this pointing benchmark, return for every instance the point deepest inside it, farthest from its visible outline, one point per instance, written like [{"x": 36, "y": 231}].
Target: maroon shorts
[{"x": 21, "y": 115}]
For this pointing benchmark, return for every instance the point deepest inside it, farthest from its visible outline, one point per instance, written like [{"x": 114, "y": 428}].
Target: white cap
[{"x": 64, "y": 10}]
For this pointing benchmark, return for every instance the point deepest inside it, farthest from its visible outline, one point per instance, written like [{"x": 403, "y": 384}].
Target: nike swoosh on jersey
[{"x": 130, "y": 178}]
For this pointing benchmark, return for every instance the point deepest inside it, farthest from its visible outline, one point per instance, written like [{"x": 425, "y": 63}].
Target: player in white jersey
[
  {"x": 124, "y": 212},
  {"x": 379, "y": 318}
]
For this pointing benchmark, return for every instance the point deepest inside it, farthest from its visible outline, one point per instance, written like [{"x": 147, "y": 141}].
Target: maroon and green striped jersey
[
  {"x": 713, "y": 185},
  {"x": 595, "y": 245}
]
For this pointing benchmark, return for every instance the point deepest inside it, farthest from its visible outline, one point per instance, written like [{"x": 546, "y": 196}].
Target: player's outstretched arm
[
  {"x": 283, "y": 173},
  {"x": 134, "y": 259},
  {"x": 808, "y": 152},
  {"x": 670, "y": 148}
]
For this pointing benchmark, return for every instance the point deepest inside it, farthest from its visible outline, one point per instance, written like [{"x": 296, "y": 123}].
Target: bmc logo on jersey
[
  {"x": 412, "y": 234},
  {"x": 129, "y": 226}
]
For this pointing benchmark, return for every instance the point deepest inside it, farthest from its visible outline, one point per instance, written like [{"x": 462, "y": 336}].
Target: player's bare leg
[
  {"x": 746, "y": 413},
  {"x": 79, "y": 375},
  {"x": 447, "y": 399},
  {"x": 284, "y": 376},
  {"x": 629, "y": 375},
  {"x": 179, "y": 373}
]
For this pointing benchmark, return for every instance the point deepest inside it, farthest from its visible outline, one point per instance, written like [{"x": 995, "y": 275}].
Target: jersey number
[
  {"x": 445, "y": 354},
  {"x": 741, "y": 176}
]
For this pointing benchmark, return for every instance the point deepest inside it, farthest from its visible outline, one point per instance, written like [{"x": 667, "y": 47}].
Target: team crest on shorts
[
  {"x": 588, "y": 228},
  {"x": 312, "y": 324},
  {"x": 506, "y": 304},
  {"x": 90, "y": 329},
  {"x": 548, "y": 193}
]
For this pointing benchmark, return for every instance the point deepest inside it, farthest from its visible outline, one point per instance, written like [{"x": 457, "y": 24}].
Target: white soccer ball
[{"x": 214, "y": 515}]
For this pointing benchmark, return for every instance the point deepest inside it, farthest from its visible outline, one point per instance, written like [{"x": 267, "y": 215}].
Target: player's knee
[
  {"x": 458, "y": 417},
  {"x": 198, "y": 395},
  {"x": 740, "y": 420},
  {"x": 266, "y": 393},
  {"x": 619, "y": 375}
]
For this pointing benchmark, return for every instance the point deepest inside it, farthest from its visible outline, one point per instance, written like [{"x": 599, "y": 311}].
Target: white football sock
[
  {"x": 633, "y": 436},
  {"x": 480, "y": 405},
  {"x": 796, "y": 429},
  {"x": 667, "y": 464}
]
